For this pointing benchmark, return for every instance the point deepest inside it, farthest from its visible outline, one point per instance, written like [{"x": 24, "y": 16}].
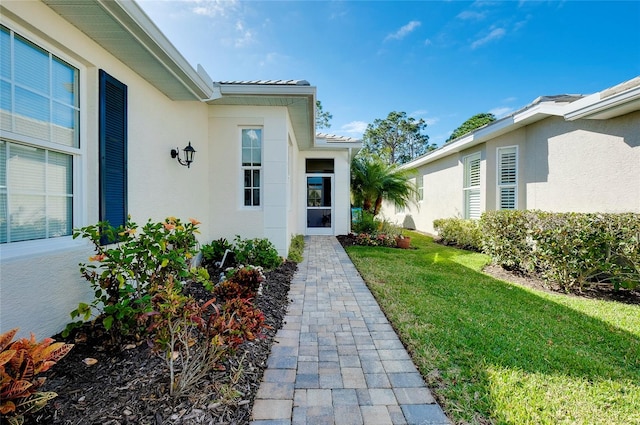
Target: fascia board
[
  {"x": 593, "y": 105},
  {"x": 495, "y": 129},
  {"x": 139, "y": 25},
  {"x": 266, "y": 90}
]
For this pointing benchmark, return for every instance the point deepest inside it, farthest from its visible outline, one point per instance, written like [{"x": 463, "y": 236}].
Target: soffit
[
  {"x": 125, "y": 31},
  {"x": 297, "y": 98}
]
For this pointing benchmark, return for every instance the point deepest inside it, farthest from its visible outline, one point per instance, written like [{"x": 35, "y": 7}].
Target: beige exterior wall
[
  {"x": 228, "y": 214},
  {"x": 41, "y": 282},
  {"x": 584, "y": 165},
  {"x": 563, "y": 166}
]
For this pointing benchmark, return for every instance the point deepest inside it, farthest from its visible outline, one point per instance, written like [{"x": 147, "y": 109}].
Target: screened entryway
[{"x": 319, "y": 188}]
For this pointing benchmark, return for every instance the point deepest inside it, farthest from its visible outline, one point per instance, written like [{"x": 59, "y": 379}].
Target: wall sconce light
[{"x": 189, "y": 151}]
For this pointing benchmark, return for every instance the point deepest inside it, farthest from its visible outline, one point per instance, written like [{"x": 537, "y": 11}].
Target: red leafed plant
[{"x": 20, "y": 362}]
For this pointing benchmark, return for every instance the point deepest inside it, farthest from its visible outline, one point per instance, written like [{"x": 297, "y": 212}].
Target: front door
[{"x": 319, "y": 204}]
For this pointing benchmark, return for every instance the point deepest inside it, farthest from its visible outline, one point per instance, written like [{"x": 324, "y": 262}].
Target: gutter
[{"x": 132, "y": 18}]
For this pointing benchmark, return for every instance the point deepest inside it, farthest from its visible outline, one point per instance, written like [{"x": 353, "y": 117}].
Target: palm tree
[{"x": 373, "y": 181}]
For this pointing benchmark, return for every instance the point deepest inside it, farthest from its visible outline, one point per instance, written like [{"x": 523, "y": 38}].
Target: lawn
[{"x": 496, "y": 352}]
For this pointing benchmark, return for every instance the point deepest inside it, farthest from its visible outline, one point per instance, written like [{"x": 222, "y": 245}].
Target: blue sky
[{"x": 443, "y": 61}]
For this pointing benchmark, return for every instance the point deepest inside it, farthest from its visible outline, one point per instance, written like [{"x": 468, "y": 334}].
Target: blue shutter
[{"x": 113, "y": 150}]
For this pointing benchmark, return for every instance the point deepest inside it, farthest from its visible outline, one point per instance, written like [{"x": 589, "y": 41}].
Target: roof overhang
[
  {"x": 524, "y": 117},
  {"x": 332, "y": 141},
  {"x": 614, "y": 102},
  {"x": 124, "y": 30},
  {"x": 297, "y": 96}
]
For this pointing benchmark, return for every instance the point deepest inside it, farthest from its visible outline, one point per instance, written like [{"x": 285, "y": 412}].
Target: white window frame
[
  {"x": 252, "y": 167},
  {"x": 469, "y": 190},
  {"x": 420, "y": 187},
  {"x": 29, "y": 248},
  {"x": 499, "y": 184}
]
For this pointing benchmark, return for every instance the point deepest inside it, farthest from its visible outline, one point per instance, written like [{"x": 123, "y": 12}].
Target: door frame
[{"x": 319, "y": 230}]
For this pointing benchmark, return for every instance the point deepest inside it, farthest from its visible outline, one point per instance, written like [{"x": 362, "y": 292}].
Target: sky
[{"x": 442, "y": 61}]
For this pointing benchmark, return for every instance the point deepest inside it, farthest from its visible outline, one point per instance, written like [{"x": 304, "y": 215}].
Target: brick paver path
[{"x": 337, "y": 360}]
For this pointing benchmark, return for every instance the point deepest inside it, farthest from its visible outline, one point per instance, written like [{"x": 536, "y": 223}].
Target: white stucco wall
[
  {"x": 228, "y": 215},
  {"x": 41, "y": 284}
]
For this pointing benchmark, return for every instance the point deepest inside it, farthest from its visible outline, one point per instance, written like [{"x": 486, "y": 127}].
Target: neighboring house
[
  {"x": 560, "y": 153},
  {"x": 93, "y": 98}
]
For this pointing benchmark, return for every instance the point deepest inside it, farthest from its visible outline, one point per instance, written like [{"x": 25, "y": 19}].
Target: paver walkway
[{"x": 337, "y": 360}]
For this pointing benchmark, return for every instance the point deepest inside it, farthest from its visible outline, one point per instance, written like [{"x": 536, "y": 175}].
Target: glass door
[{"x": 319, "y": 204}]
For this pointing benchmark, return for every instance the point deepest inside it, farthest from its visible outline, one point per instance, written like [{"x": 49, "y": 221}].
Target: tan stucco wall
[
  {"x": 40, "y": 286},
  {"x": 584, "y": 165},
  {"x": 579, "y": 166}
]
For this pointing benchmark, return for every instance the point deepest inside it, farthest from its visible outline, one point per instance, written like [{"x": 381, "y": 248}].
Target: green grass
[{"x": 494, "y": 351}]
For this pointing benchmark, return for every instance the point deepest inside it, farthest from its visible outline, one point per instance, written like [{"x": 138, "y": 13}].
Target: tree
[
  {"x": 397, "y": 139},
  {"x": 322, "y": 117},
  {"x": 471, "y": 124},
  {"x": 373, "y": 181}
]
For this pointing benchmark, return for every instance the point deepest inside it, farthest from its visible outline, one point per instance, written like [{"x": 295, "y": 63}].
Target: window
[
  {"x": 113, "y": 150},
  {"x": 507, "y": 178},
  {"x": 471, "y": 187},
  {"x": 251, "y": 165},
  {"x": 39, "y": 119},
  {"x": 420, "y": 187}
]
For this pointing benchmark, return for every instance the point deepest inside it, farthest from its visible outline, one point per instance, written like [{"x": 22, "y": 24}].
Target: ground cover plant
[
  {"x": 161, "y": 342},
  {"x": 498, "y": 353}
]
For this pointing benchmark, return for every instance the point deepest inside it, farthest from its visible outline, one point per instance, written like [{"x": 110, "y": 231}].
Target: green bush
[
  {"x": 368, "y": 224},
  {"x": 214, "y": 251},
  {"x": 459, "y": 232},
  {"x": 296, "y": 249},
  {"x": 256, "y": 252},
  {"x": 572, "y": 249}
]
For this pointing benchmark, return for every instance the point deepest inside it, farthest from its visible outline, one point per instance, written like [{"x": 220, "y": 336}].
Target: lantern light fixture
[{"x": 188, "y": 151}]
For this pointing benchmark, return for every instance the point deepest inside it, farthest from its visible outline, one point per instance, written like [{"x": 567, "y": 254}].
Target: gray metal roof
[{"x": 267, "y": 82}]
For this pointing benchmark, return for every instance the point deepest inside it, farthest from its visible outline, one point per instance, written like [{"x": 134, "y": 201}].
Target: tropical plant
[
  {"x": 256, "y": 252},
  {"x": 20, "y": 362},
  {"x": 373, "y": 181},
  {"x": 123, "y": 274}
]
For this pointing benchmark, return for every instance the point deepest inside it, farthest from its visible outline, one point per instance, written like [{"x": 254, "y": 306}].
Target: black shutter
[{"x": 113, "y": 150}]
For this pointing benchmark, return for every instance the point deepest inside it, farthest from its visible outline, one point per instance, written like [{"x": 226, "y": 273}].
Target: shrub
[
  {"x": 368, "y": 224},
  {"x": 215, "y": 250},
  {"x": 20, "y": 362},
  {"x": 177, "y": 324},
  {"x": 240, "y": 283},
  {"x": 126, "y": 272},
  {"x": 256, "y": 252},
  {"x": 572, "y": 249},
  {"x": 296, "y": 249},
  {"x": 459, "y": 232}
]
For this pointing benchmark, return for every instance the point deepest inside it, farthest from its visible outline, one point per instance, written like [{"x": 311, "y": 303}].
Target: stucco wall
[
  {"x": 228, "y": 215},
  {"x": 584, "y": 165},
  {"x": 41, "y": 284}
]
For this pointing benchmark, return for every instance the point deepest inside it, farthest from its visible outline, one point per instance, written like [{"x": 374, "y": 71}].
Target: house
[
  {"x": 93, "y": 100},
  {"x": 562, "y": 153}
]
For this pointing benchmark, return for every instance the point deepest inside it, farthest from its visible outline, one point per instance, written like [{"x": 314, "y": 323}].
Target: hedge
[
  {"x": 459, "y": 232},
  {"x": 572, "y": 249}
]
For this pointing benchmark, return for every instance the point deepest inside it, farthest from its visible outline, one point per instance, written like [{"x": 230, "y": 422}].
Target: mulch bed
[{"x": 130, "y": 385}]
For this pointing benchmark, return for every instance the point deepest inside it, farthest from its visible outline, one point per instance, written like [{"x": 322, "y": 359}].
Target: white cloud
[
  {"x": 245, "y": 35},
  {"x": 431, "y": 121},
  {"x": 403, "y": 31},
  {"x": 501, "y": 111},
  {"x": 470, "y": 15},
  {"x": 495, "y": 34},
  {"x": 354, "y": 127},
  {"x": 428, "y": 42},
  {"x": 212, "y": 8}
]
